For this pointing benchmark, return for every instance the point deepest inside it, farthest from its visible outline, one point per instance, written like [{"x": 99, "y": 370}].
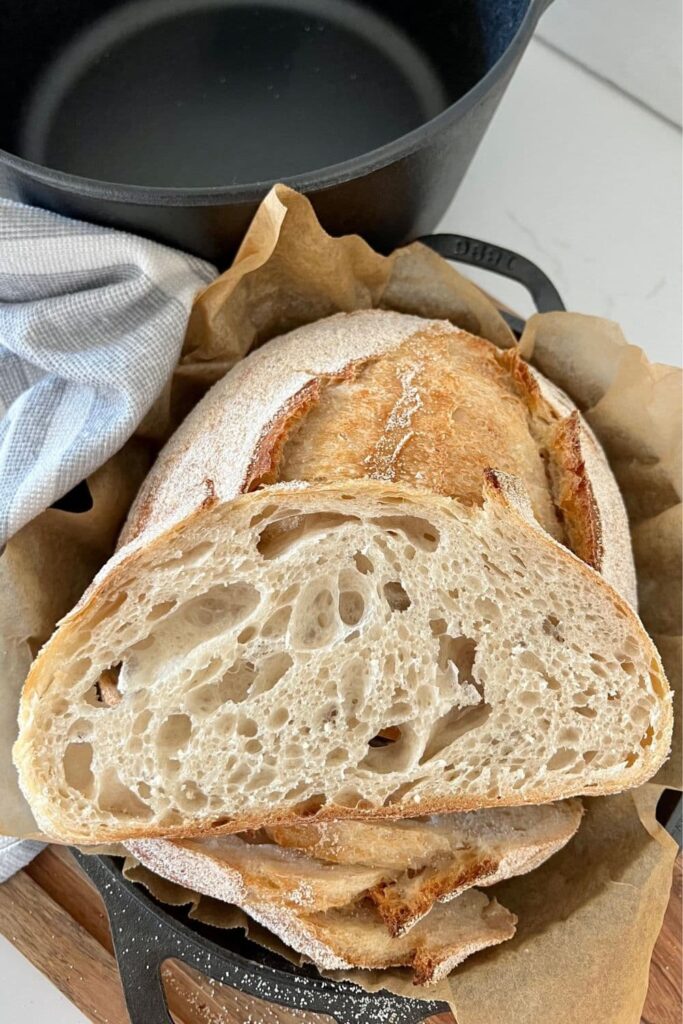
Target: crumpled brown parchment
[{"x": 590, "y": 916}]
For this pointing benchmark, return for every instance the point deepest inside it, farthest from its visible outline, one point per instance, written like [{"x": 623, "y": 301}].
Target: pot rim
[{"x": 308, "y": 181}]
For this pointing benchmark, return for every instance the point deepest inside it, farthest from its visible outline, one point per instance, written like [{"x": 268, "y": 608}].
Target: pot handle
[{"x": 475, "y": 253}]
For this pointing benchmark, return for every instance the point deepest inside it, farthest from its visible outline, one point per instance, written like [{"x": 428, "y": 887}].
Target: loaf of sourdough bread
[{"x": 382, "y": 569}]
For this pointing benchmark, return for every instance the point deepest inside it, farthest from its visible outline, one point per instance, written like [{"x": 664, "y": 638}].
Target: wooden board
[{"x": 54, "y": 916}]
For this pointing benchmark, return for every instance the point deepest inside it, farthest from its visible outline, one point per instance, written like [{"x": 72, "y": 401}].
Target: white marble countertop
[
  {"x": 586, "y": 182},
  {"x": 583, "y": 180}
]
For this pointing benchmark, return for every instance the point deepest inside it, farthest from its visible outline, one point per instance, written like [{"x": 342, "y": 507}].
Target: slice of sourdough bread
[
  {"x": 263, "y": 651},
  {"x": 437, "y": 857},
  {"x": 301, "y": 900}
]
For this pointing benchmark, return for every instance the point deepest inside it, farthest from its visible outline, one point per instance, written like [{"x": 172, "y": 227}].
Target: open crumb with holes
[
  {"x": 377, "y": 572},
  {"x": 276, "y": 679}
]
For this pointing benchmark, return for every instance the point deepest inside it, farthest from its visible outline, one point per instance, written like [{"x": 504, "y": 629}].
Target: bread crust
[
  {"x": 235, "y": 436},
  {"x": 585, "y": 490}
]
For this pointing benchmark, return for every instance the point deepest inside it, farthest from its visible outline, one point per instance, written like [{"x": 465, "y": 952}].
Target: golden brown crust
[
  {"x": 340, "y": 937},
  {"x": 573, "y": 492},
  {"x": 436, "y": 883},
  {"x": 317, "y": 404},
  {"x": 598, "y": 522},
  {"x": 584, "y": 493},
  {"x": 223, "y": 435},
  {"x": 263, "y": 467},
  {"x": 422, "y": 414},
  {"x": 371, "y": 395}
]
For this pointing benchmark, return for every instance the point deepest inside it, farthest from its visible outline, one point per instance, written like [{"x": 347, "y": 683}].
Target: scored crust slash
[{"x": 211, "y": 497}]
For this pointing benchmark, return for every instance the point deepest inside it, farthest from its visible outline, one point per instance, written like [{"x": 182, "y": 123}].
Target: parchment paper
[{"x": 590, "y": 916}]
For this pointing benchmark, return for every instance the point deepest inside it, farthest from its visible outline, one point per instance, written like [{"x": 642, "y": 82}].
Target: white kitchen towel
[
  {"x": 91, "y": 325},
  {"x": 15, "y": 854}
]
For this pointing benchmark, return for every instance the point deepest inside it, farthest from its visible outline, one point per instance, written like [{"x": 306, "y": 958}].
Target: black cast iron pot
[{"x": 172, "y": 118}]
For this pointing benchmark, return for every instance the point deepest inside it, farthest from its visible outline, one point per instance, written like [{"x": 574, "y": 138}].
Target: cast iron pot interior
[{"x": 172, "y": 118}]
